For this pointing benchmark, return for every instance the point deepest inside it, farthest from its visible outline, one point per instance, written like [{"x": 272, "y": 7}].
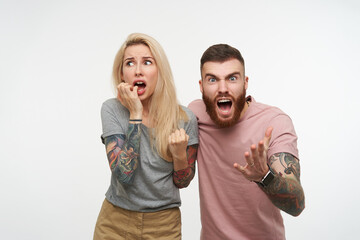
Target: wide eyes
[
  {"x": 214, "y": 80},
  {"x": 131, "y": 63},
  {"x": 147, "y": 62}
]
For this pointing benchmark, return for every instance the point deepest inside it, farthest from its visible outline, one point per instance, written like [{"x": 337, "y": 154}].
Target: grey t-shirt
[{"x": 152, "y": 188}]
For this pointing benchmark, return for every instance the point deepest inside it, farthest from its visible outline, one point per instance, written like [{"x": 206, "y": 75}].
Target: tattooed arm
[
  {"x": 183, "y": 177},
  {"x": 183, "y": 156},
  {"x": 123, "y": 153},
  {"x": 285, "y": 190}
]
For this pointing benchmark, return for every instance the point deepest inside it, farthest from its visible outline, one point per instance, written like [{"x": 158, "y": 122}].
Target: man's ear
[
  {"x": 201, "y": 86},
  {"x": 246, "y": 82}
]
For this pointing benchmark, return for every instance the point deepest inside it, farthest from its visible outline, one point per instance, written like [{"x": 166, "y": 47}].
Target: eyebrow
[
  {"x": 232, "y": 74},
  {"x": 227, "y": 76},
  {"x": 210, "y": 75},
  {"x": 131, "y": 58}
]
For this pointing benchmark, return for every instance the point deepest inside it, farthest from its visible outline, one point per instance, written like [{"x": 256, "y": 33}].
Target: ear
[
  {"x": 201, "y": 86},
  {"x": 246, "y": 82},
  {"x": 121, "y": 77}
]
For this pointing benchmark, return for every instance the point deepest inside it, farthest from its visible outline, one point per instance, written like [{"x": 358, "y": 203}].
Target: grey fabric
[{"x": 152, "y": 188}]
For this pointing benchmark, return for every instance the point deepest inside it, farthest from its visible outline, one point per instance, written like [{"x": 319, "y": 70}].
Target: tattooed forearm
[
  {"x": 123, "y": 153},
  {"x": 183, "y": 177},
  {"x": 286, "y": 194},
  {"x": 288, "y": 162},
  {"x": 285, "y": 191}
]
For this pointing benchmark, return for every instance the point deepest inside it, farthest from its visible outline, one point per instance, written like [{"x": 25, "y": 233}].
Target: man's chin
[
  {"x": 224, "y": 116},
  {"x": 224, "y": 122}
]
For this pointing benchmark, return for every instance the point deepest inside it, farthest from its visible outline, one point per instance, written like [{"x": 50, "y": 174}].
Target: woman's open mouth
[{"x": 141, "y": 86}]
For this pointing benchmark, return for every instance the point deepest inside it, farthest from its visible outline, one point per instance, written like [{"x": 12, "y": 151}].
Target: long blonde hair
[{"x": 164, "y": 110}]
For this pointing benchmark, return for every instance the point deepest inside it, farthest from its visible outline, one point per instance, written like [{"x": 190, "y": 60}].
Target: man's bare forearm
[
  {"x": 285, "y": 190},
  {"x": 286, "y": 194}
]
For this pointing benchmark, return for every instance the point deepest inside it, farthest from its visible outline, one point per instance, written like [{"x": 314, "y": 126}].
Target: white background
[{"x": 55, "y": 71}]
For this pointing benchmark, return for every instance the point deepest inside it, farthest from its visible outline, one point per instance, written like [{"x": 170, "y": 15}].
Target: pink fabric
[{"x": 231, "y": 206}]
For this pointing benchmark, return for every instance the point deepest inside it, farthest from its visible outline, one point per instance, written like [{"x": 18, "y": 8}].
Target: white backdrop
[{"x": 55, "y": 72}]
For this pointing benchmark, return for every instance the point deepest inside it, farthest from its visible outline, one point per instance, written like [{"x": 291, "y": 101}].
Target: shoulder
[
  {"x": 113, "y": 109},
  {"x": 284, "y": 138},
  {"x": 198, "y": 108},
  {"x": 190, "y": 125},
  {"x": 191, "y": 121},
  {"x": 114, "y": 117},
  {"x": 271, "y": 116},
  {"x": 267, "y": 111},
  {"x": 112, "y": 105},
  {"x": 196, "y": 105},
  {"x": 188, "y": 112}
]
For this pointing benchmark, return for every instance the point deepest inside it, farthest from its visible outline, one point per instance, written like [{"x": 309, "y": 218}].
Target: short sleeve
[
  {"x": 284, "y": 138},
  {"x": 110, "y": 120},
  {"x": 191, "y": 128}
]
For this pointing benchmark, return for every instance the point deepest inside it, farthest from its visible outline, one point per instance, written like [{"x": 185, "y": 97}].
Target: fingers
[
  {"x": 264, "y": 144},
  {"x": 179, "y": 136},
  {"x": 254, "y": 162},
  {"x": 178, "y": 142},
  {"x": 256, "y": 159},
  {"x": 261, "y": 149},
  {"x": 249, "y": 160},
  {"x": 239, "y": 167},
  {"x": 126, "y": 90},
  {"x": 255, "y": 155},
  {"x": 129, "y": 98},
  {"x": 267, "y": 137}
]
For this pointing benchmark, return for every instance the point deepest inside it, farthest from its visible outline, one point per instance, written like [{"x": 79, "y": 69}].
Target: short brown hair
[{"x": 220, "y": 53}]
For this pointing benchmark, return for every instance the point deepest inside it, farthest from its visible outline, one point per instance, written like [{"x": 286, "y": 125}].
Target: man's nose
[{"x": 222, "y": 86}]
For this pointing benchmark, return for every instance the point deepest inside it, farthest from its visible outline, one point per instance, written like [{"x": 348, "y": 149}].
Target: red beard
[{"x": 238, "y": 105}]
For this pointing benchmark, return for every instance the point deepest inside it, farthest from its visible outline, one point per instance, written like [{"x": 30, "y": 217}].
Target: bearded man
[{"x": 247, "y": 157}]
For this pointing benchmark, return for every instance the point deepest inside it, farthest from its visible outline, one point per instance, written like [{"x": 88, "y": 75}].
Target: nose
[
  {"x": 138, "y": 71},
  {"x": 222, "y": 86}
]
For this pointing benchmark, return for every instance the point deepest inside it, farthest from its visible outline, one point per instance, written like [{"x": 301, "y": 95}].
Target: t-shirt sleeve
[
  {"x": 283, "y": 138},
  {"x": 110, "y": 122},
  {"x": 191, "y": 128},
  {"x": 194, "y": 107}
]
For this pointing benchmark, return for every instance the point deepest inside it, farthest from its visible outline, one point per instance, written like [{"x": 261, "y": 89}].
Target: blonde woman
[{"x": 151, "y": 145}]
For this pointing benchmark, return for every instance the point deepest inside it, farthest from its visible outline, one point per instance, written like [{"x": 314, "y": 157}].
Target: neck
[{"x": 246, "y": 106}]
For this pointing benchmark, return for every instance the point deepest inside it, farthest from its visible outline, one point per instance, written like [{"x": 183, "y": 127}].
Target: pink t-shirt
[{"x": 232, "y": 207}]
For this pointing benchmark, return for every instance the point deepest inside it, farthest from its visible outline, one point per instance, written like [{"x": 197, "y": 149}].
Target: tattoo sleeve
[
  {"x": 285, "y": 191},
  {"x": 123, "y": 153},
  {"x": 183, "y": 177}
]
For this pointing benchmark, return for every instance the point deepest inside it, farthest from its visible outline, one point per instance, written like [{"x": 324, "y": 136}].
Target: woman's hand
[
  {"x": 178, "y": 141},
  {"x": 128, "y": 97}
]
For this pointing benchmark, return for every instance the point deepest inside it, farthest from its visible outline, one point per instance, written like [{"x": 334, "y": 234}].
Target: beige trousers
[{"x": 115, "y": 223}]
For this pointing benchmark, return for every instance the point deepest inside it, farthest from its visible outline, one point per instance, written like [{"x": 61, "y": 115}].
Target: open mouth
[
  {"x": 224, "y": 105},
  {"x": 141, "y": 87}
]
